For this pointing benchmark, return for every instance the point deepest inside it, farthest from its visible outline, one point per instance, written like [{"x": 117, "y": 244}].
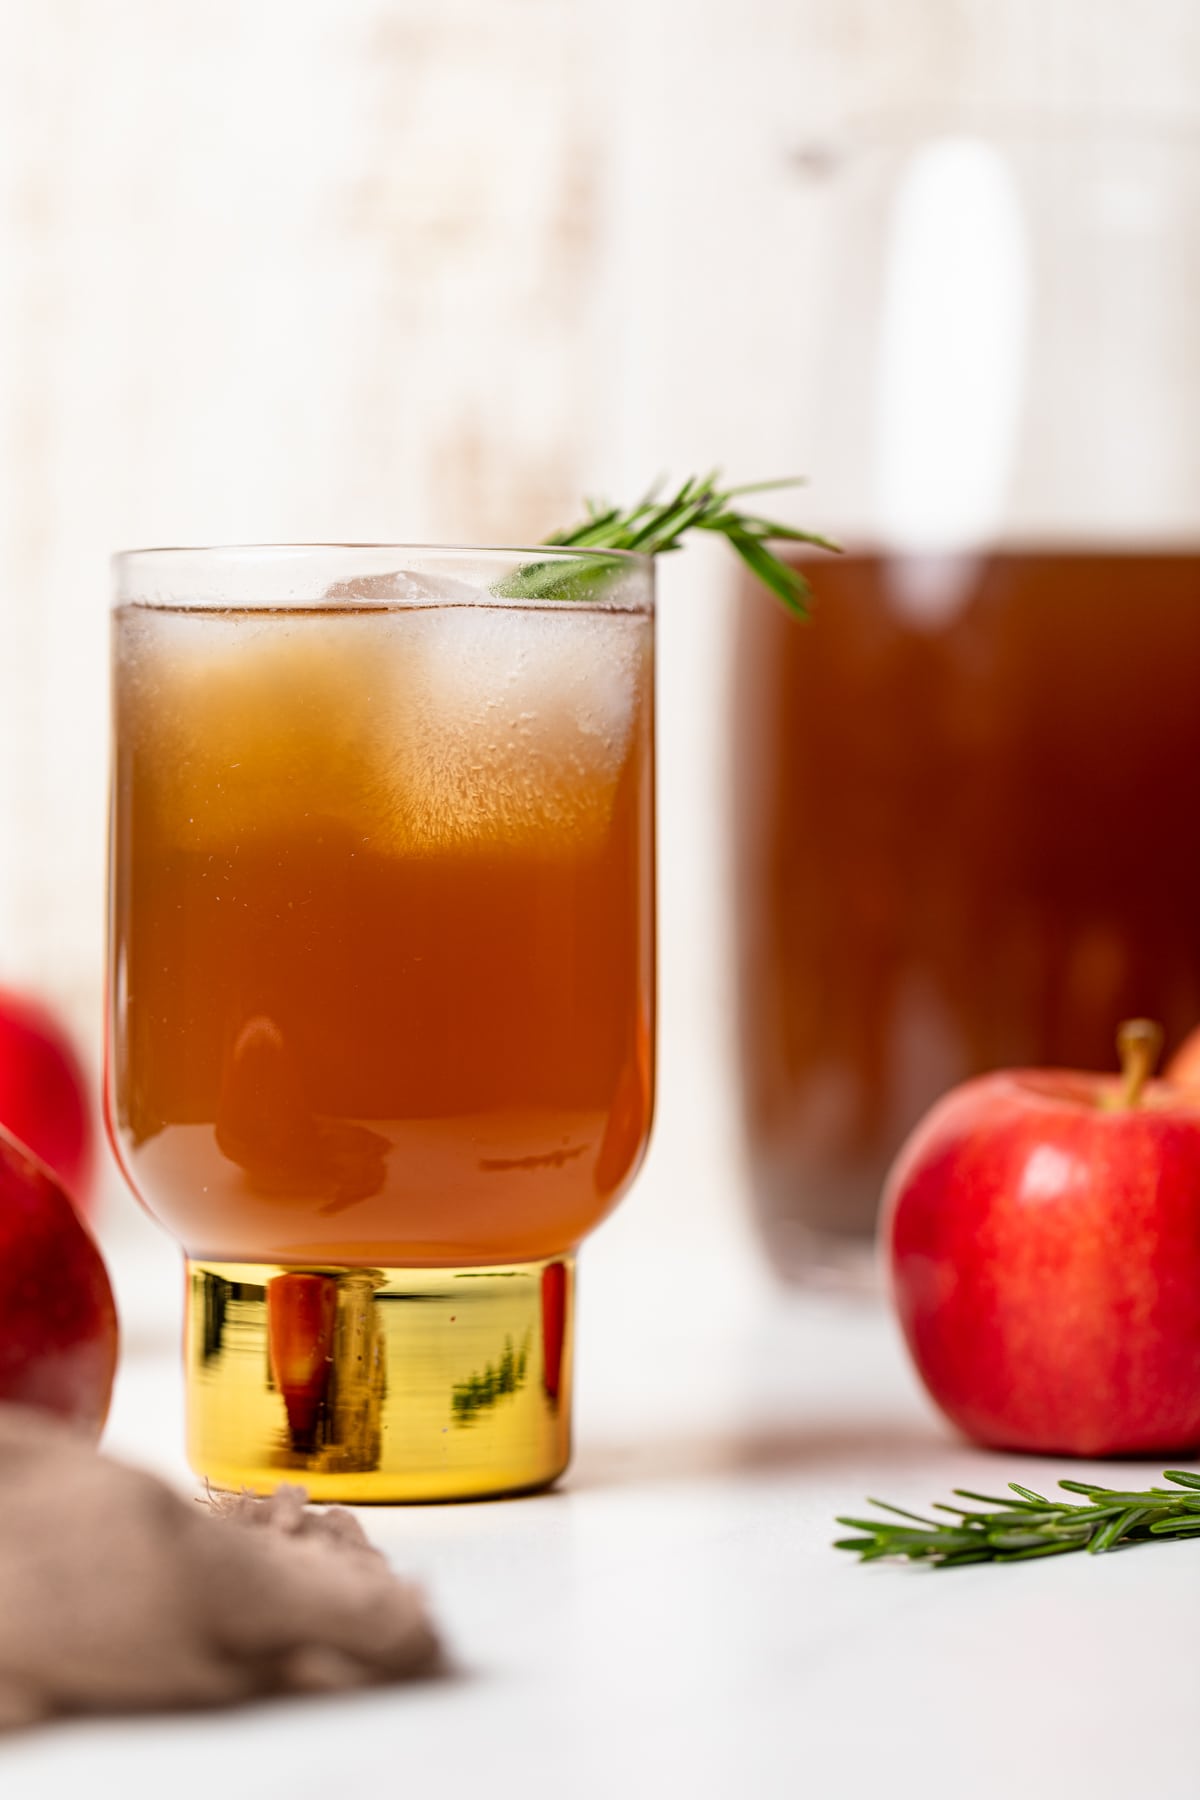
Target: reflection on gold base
[{"x": 380, "y": 1384}]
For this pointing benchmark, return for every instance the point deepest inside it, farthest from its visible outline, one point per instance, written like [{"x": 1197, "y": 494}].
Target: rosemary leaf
[
  {"x": 1031, "y": 1525},
  {"x": 655, "y": 527}
]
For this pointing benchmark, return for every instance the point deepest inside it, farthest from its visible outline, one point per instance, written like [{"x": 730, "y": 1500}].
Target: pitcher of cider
[{"x": 967, "y": 792}]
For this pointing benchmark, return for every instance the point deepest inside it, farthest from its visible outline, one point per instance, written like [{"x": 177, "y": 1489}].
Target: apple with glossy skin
[
  {"x": 1042, "y": 1231},
  {"x": 58, "y": 1322},
  {"x": 1184, "y": 1067},
  {"x": 44, "y": 1097}
]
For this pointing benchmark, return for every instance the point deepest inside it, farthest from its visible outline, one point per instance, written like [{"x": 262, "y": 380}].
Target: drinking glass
[
  {"x": 965, "y": 791},
  {"x": 381, "y": 989}
]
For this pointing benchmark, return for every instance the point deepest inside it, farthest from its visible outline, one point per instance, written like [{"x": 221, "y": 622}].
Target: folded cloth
[{"x": 118, "y": 1595}]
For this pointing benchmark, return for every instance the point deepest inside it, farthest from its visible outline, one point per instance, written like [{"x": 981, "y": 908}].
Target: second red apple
[
  {"x": 1043, "y": 1234},
  {"x": 44, "y": 1099},
  {"x": 58, "y": 1322}
]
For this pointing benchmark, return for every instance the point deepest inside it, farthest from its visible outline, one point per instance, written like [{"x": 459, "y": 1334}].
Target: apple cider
[
  {"x": 966, "y": 796},
  {"x": 383, "y": 980},
  {"x": 382, "y": 967}
]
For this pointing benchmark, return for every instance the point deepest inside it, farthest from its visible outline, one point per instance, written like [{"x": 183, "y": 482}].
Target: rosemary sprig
[
  {"x": 656, "y": 526},
  {"x": 1030, "y": 1525}
]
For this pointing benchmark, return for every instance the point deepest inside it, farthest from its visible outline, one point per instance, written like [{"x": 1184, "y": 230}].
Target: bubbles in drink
[
  {"x": 241, "y": 722},
  {"x": 510, "y": 722},
  {"x": 415, "y": 726}
]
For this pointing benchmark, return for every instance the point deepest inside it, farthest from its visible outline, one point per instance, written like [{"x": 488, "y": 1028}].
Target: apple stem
[{"x": 1139, "y": 1042}]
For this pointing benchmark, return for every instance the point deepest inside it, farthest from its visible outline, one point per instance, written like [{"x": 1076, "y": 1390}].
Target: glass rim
[
  {"x": 225, "y": 577},
  {"x": 317, "y": 547}
]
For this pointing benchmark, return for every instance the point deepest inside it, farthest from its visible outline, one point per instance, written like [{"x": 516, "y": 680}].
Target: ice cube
[
  {"x": 244, "y": 724},
  {"x": 404, "y": 586},
  {"x": 510, "y": 722}
]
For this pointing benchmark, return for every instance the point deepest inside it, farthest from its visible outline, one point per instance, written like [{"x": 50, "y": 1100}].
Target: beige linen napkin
[{"x": 117, "y": 1594}]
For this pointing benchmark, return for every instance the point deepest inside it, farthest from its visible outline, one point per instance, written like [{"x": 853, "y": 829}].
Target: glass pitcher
[{"x": 966, "y": 792}]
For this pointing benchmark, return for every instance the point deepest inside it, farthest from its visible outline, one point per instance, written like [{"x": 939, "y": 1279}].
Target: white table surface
[{"x": 673, "y": 1621}]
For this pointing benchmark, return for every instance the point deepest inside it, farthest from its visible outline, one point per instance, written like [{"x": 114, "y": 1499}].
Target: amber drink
[
  {"x": 382, "y": 983},
  {"x": 964, "y": 841}
]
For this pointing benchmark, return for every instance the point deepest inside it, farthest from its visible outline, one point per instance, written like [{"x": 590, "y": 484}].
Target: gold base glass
[
  {"x": 381, "y": 988},
  {"x": 371, "y": 1384}
]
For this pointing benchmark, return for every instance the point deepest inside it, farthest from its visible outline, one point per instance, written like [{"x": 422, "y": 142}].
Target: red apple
[
  {"x": 1042, "y": 1229},
  {"x": 44, "y": 1097},
  {"x": 58, "y": 1323},
  {"x": 1184, "y": 1067}
]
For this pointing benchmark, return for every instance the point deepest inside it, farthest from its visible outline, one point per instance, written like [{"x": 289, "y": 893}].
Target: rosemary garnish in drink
[
  {"x": 655, "y": 526},
  {"x": 1031, "y": 1525}
]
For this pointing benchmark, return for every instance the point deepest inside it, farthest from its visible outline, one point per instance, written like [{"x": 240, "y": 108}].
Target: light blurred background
[{"x": 433, "y": 270}]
